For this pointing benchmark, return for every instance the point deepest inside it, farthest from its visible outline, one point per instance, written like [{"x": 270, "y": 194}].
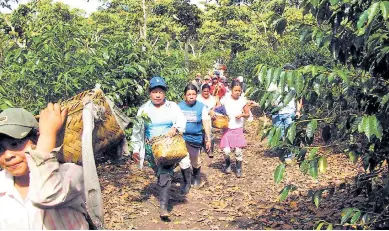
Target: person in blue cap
[{"x": 166, "y": 118}]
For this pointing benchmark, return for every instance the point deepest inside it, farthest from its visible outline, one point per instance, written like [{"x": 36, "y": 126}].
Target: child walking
[{"x": 233, "y": 137}]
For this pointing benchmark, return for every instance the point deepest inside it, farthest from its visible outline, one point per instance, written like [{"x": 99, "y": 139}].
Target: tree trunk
[
  {"x": 186, "y": 53},
  {"x": 144, "y": 27}
]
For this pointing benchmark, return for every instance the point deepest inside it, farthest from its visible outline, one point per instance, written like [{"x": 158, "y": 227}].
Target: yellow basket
[
  {"x": 106, "y": 134},
  {"x": 168, "y": 150},
  {"x": 220, "y": 122}
]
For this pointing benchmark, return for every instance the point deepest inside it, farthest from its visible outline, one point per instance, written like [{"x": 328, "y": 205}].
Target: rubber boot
[
  {"x": 196, "y": 178},
  {"x": 186, "y": 175},
  {"x": 210, "y": 153},
  {"x": 238, "y": 169},
  {"x": 164, "y": 195},
  {"x": 228, "y": 165}
]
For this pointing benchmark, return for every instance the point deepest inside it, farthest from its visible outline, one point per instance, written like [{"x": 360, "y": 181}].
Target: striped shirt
[{"x": 56, "y": 198}]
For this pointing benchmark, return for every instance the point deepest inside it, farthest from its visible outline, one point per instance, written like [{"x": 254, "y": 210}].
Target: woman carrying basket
[
  {"x": 237, "y": 109},
  {"x": 197, "y": 117},
  {"x": 166, "y": 118}
]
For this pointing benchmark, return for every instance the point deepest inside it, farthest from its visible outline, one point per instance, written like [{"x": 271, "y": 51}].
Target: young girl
[
  {"x": 237, "y": 109},
  {"x": 197, "y": 117},
  {"x": 36, "y": 192}
]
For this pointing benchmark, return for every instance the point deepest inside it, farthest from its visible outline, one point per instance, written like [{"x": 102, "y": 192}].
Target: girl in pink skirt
[{"x": 233, "y": 137}]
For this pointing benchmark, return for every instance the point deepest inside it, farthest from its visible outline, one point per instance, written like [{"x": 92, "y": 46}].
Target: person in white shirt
[
  {"x": 233, "y": 138},
  {"x": 210, "y": 101}
]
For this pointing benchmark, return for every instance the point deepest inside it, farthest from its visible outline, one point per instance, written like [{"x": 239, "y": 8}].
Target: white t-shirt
[
  {"x": 210, "y": 102},
  {"x": 234, "y": 108}
]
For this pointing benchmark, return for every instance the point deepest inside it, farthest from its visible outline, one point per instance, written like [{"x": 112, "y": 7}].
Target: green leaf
[
  {"x": 334, "y": 2},
  {"x": 279, "y": 173},
  {"x": 285, "y": 192},
  {"x": 312, "y": 153},
  {"x": 269, "y": 78},
  {"x": 313, "y": 170},
  {"x": 362, "y": 124},
  {"x": 384, "y": 5},
  {"x": 270, "y": 136},
  {"x": 384, "y": 100},
  {"x": 299, "y": 79},
  {"x": 353, "y": 156},
  {"x": 330, "y": 227},
  {"x": 282, "y": 82},
  {"x": 320, "y": 225},
  {"x": 289, "y": 97},
  {"x": 372, "y": 11},
  {"x": 276, "y": 138},
  {"x": 343, "y": 76},
  {"x": 262, "y": 74},
  {"x": 276, "y": 75},
  {"x": 369, "y": 126},
  {"x": 290, "y": 79},
  {"x": 317, "y": 197},
  {"x": 292, "y": 132},
  {"x": 264, "y": 98},
  {"x": 323, "y": 164},
  {"x": 304, "y": 166},
  {"x": 356, "y": 217},
  {"x": 346, "y": 214},
  {"x": 362, "y": 19},
  {"x": 311, "y": 128}
]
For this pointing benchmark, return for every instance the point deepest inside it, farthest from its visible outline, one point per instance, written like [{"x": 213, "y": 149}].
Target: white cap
[{"x": 240, "y": 79}]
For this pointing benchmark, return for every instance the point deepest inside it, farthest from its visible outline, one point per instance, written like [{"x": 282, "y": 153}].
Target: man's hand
[
  {"x": 135, "y": 157},
  {"x": 239, "y": 116},
  {"x": 172, "y": 132},
  {"x": 298, "y": 115}
]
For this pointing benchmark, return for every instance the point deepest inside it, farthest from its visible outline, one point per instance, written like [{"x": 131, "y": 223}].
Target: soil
[{"x": 226, "y": 202}]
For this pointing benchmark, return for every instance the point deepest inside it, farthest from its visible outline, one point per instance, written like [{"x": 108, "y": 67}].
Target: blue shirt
[{"x": 194, "y": 115}]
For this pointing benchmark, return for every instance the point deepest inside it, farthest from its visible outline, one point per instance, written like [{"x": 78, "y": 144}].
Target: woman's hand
[
  {"x": 208, "y": 145},
  {"x": 172, "y": 132},
  {"x": 51, "y": 120},
  {"x": 212, "y": 114},
  {"x": 239, "y": 116}
]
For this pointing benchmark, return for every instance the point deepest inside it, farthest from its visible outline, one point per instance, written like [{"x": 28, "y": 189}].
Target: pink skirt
[{"x": 233, "y": 138}]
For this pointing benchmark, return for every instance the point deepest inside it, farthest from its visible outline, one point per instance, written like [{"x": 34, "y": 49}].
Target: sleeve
[
  {"x": 205, "y": 113},
  {"x": 179, "y": 120},
  {"x": 54, "y": 185},
  {"x": 137, "y": 137}
]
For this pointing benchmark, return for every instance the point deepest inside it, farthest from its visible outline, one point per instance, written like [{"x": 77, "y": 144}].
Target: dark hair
[
  {"x": 235, "y": 83},
  {"x": 205, "y": 86},
  {"x": 189, "y": 87},
  {"x": 33, "y": 135}
]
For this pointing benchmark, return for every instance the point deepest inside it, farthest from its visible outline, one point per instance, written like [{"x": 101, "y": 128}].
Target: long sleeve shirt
[
  {"x": 162, "y": 119},
  {"x": 56, "y": 198}
]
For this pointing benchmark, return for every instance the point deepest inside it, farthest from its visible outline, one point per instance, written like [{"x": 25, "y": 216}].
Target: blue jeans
[{"x": 283, "y": 121}]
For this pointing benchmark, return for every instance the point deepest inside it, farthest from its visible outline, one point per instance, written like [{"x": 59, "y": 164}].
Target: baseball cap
[
  {"x": 206, "y": 77},
  {"x": 17, "y": 122},
  {"x": 240, "y": 78},
  {"x": 157, "y": 82},
  {"x": 217, "y": 73}
]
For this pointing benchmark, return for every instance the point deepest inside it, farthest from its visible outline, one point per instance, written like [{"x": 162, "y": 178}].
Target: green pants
[{"x": 169, "y": 169}]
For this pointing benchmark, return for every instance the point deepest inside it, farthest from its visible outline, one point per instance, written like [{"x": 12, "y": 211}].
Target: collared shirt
[
  {"x": 162, "y": 119},
  {"x": 56, "y": 198}
]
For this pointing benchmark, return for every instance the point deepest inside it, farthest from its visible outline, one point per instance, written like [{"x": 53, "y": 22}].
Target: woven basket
[
  {"x": 220, "y": 122},
  {"x": 168, "y": 150},
  {"x": 106, "y": 134}
]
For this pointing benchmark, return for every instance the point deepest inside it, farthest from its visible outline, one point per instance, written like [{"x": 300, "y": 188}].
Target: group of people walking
[{"x": 192, "y": 117}]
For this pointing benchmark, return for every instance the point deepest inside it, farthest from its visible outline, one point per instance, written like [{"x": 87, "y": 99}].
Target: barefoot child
[{"x": 36, "y": 192}]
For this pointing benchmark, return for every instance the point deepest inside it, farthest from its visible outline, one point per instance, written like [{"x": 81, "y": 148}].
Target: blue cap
[
  {"x": 216, "y": 73},
  {"x": 157, "y": 82}
]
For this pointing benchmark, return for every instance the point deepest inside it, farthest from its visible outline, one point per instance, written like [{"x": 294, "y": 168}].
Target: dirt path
[{"x": 224, "y": 201}]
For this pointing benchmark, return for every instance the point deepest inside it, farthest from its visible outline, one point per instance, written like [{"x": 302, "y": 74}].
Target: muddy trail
[{"x": 225, "y": 202}]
